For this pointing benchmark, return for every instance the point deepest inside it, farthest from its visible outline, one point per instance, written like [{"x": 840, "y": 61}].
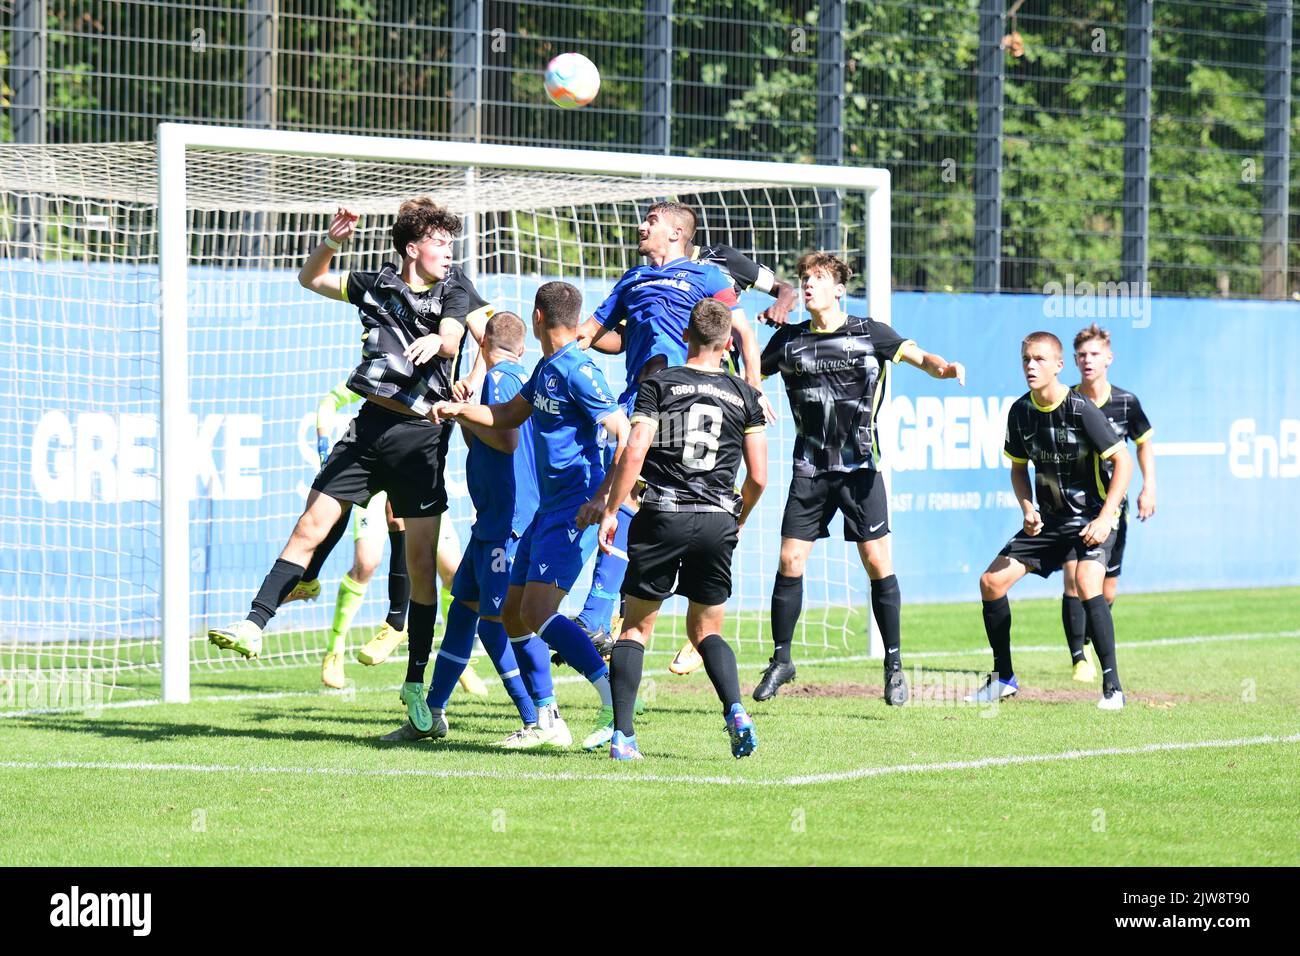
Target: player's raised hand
[
  {"x": 424, "y": 348},
  {"x": 1033, "y": 522},
  {"x": 343, "y": 225},
  {"x": 608, "y": 528},
  {"x": 954, "y": 370},
  {"x": 778, "y": 313},
  {"x": 1146, "y": 503}
]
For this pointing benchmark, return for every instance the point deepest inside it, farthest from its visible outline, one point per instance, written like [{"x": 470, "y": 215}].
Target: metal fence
[{"x": 1030, "y": 142}]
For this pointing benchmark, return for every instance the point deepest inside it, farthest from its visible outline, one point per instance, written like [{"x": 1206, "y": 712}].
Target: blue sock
[
  {"x": 576, "y": 648},
  {"x": 534, "y": 662},
  {"x": 453, "y": 655},
  {"x": 495, "y": 642},
  {"x": 607, "y": 579}
]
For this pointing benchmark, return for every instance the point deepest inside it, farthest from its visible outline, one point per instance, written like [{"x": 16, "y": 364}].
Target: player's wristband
[{"x": 333, "y": 243}]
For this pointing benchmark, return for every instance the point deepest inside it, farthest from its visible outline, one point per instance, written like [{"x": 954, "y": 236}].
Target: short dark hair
[
  {"x": 710, "y": 324},
  {"x": 1093, "y": 331},
  {"x": 506, "y": 330},
  {"x": 679, "y": 213},
  {"x": 560, "y": 305},
  {"x": 418, "y": 218},
  {"x": 824, "y": 262},
  {"x": 1047, "y": 338}
]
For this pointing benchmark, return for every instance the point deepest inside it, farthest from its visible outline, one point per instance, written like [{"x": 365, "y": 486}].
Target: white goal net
[{"x": 83, "y": 461}]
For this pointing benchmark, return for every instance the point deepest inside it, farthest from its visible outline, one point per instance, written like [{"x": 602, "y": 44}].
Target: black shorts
[
  {"x": 689, "y": 549},
  {"x": 1047, "y": 551},
  {"x": 1116, "y": 563},
  {"x": 385, "y": 451},
  {"x": 812, "y": 502}
]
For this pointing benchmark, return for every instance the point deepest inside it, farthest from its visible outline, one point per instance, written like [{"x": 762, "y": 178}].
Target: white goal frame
[{"x": 175, "y": 138}]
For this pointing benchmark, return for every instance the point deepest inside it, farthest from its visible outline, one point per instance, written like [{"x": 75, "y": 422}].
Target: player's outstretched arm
[
  {"x": 502, "y": 439},
  {"x": 755, "y": 453},
  {"x": 509, "y": 414},
  {"x": 1024, "y": 490},
  {"x": 936, "y": 366},
  {"x": 593, "y": 335},
  {"x": 315, "y": 274}
]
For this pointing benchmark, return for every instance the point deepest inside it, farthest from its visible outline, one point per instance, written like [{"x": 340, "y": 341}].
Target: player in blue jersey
[
  {"x": 503, "y": 487},
  {"x": 645, "y": 317},
  {"x": 573, "y": 411}
]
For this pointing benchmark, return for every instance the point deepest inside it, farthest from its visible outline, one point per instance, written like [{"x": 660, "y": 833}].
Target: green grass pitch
[{"x": 1200, "y": 768}]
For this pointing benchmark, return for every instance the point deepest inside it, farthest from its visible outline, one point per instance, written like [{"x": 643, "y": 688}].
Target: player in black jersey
[
  {"x": 691, "y": 427},
  {"x": 1067, "y": 438},
  {"x": 744, "y": 273},
  {"x": 1093, "y": 356},
  {"x": 414, "y": 317},
  {"x": 834, "y": 368}
]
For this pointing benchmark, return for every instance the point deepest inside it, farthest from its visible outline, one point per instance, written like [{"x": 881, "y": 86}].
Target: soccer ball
[{"x": 572, "y": 80}]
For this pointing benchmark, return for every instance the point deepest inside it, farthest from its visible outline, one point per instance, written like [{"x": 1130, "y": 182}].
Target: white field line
[
  {"x": 860, "y": 773},
  {"x": 577, "y": 679}
]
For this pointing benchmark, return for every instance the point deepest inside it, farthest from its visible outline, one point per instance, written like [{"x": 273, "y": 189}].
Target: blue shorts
[
  {"x": 553, "y": 550},
  {"x": 484, "y": 574}
]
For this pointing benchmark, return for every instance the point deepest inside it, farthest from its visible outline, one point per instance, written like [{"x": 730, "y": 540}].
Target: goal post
[{"x": 159, "y": 460}]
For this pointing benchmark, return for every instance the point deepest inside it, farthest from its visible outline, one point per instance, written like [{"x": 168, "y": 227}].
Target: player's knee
[
  {"x": 362, "y": 572},
  {"x": 879, "y": 566},
  {"x": 792, "y": 563},
  {"x": 534, "y": 614},
  {"x": 514, "y": 624},
  {"x": 991, "y": 586},
  {"x": 310, "y": 530}
]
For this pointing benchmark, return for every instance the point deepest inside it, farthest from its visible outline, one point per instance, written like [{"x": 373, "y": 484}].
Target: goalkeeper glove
[{"x": 323, "y": 447}]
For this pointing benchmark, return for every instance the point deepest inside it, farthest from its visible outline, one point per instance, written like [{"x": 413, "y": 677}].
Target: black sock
[
  {"x": 1103, "y": 640},
  {"x": 787, "y": 602},
  {"x": 886, "y": 606},
  {"x": 277, "y": 584},
  {"x": 720, "y": 665},
  {"x": 399, "y": 583},
  {"x": 1075, "y": 622},
  {"x": 419, "y": 643},
  {"x": 325, "y": 547},
  {"x": 625, "y": 663},
  {"x": 997, "y": 624},
  {"x": 1087, "y": 623}
]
